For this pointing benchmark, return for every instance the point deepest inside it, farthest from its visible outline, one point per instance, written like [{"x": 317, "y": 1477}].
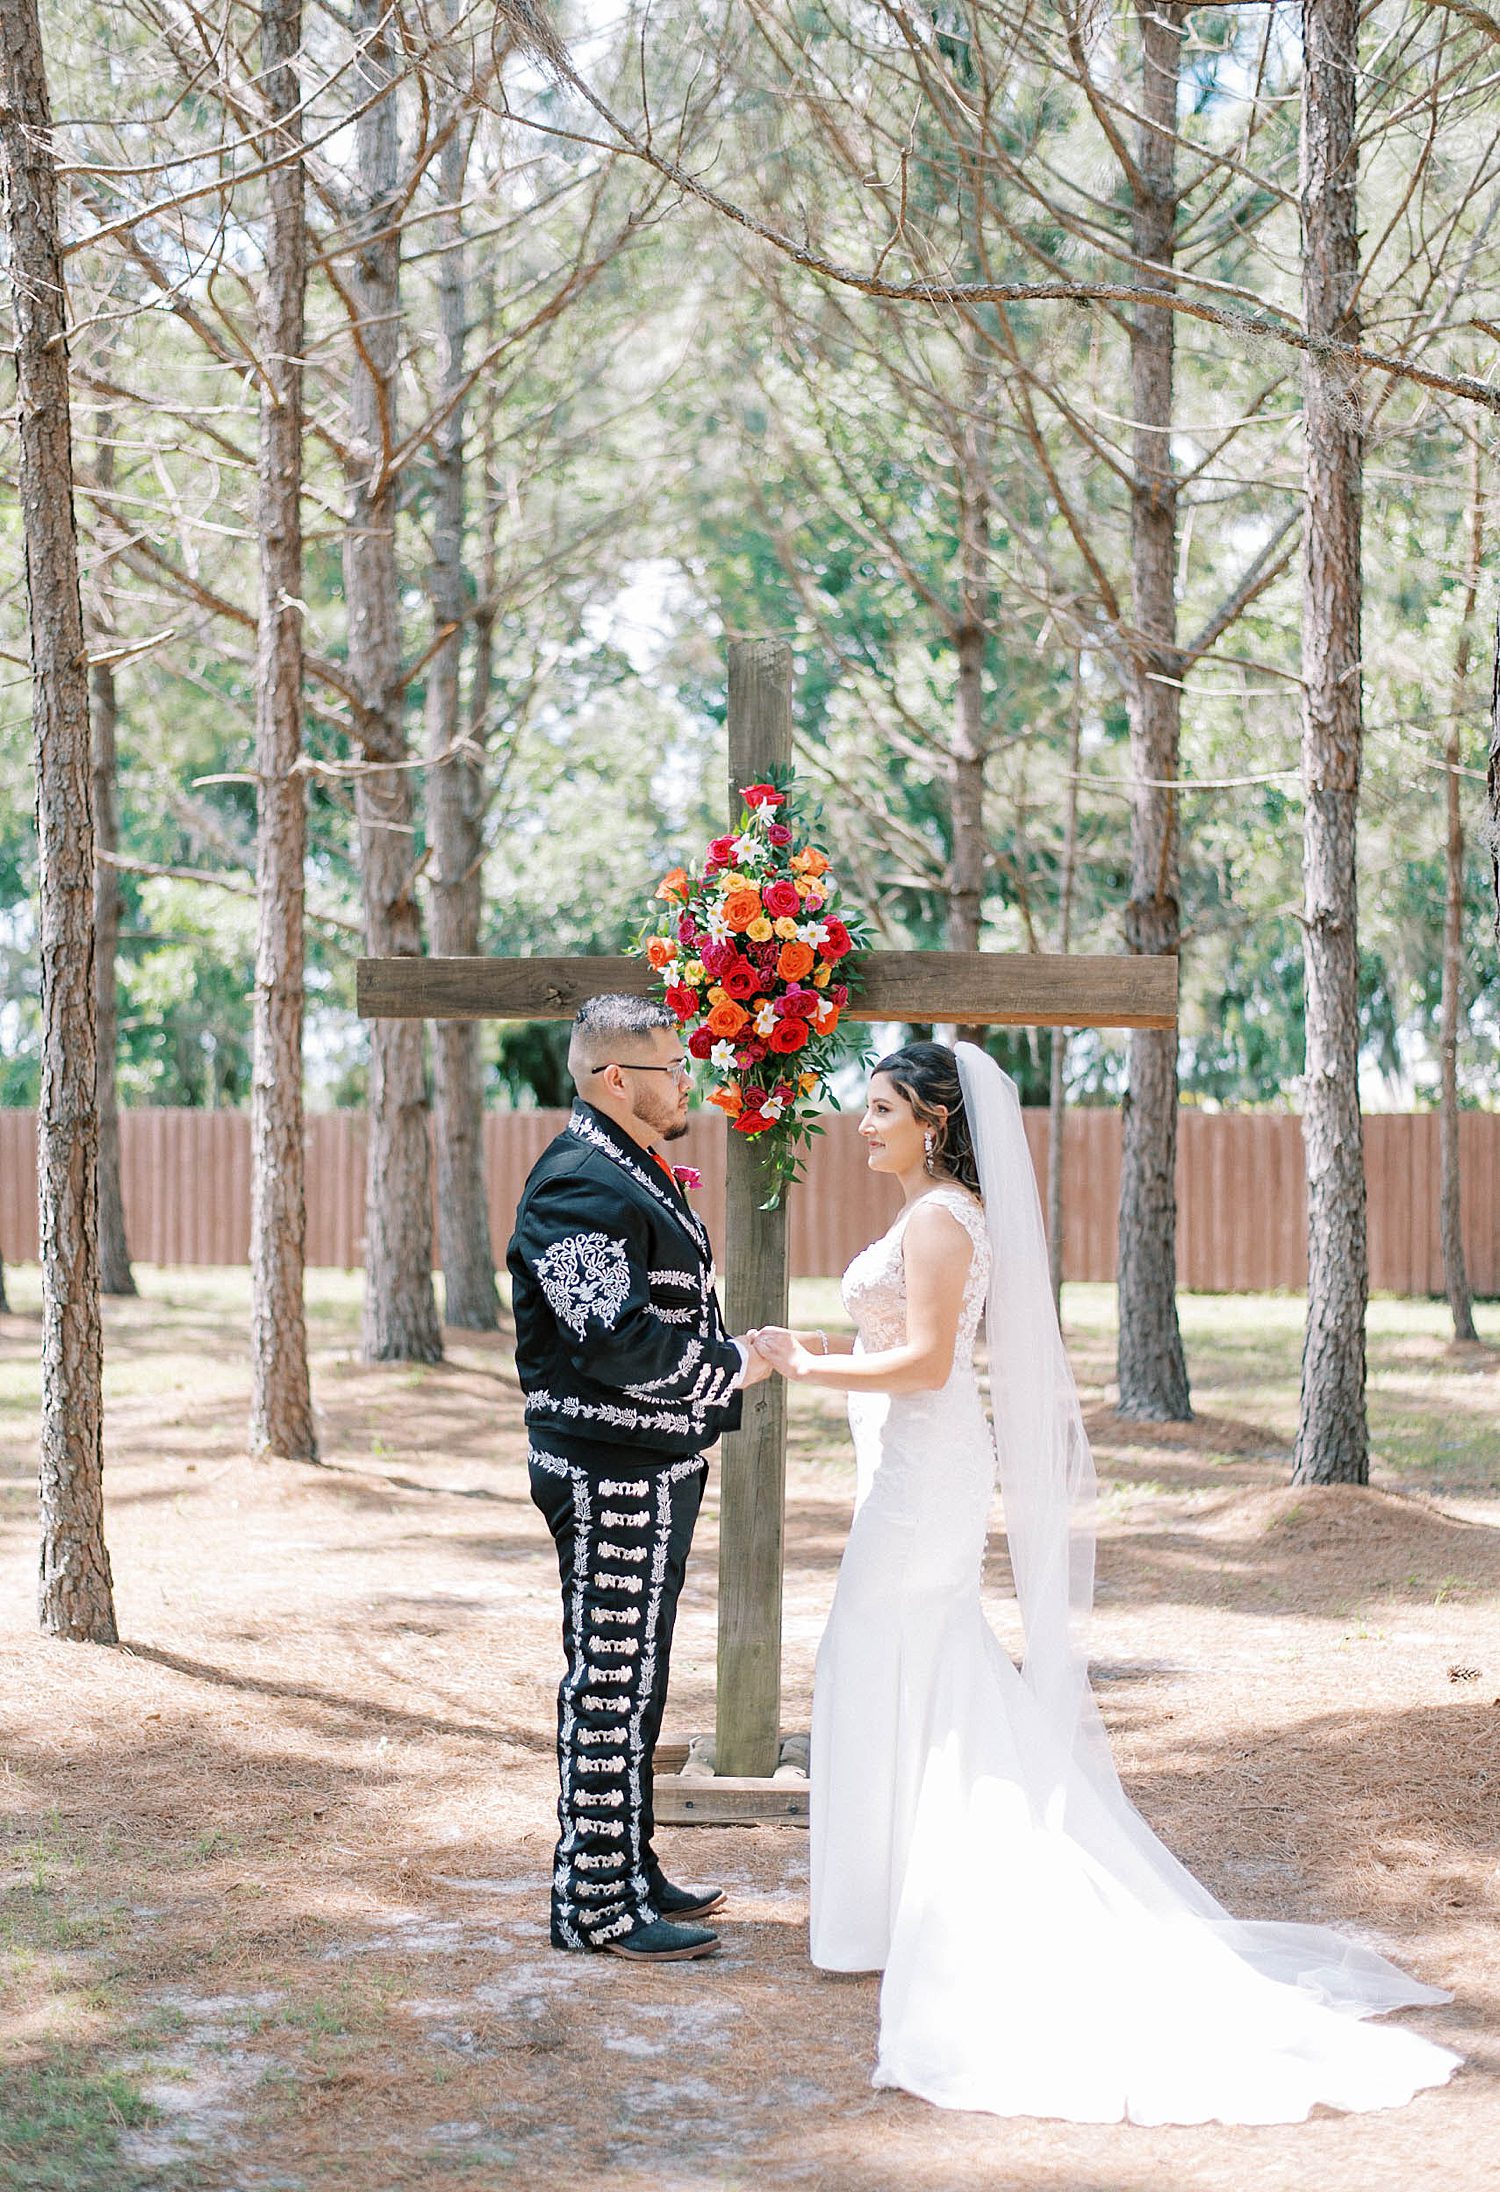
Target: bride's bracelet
[{"x": 823, "y": 1336}]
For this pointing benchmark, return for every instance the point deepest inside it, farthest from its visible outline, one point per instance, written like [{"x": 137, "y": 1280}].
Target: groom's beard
[{"x": 667, "y": 1126}]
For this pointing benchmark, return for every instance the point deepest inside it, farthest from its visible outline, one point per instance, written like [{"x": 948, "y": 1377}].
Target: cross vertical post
[{"x": 752, "y": 1470}]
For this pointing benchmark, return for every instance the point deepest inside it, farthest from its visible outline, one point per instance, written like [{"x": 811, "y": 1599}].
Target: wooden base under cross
[{"x": 967, "y": 988}]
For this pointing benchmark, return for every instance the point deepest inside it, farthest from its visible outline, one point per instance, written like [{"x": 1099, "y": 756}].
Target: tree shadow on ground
[{"x": 351, "y": 1715}]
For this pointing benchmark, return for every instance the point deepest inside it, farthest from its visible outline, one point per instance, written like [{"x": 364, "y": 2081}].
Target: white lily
[
  {"x": 749, "y": 850},
  {"x": 718, "y": 928},
  {"x": 765, "y": 1019},
  {"x": 721, "y": 1057},
  {"x": 773, "y": 1109},
  {"x": 813, "y": 932}
]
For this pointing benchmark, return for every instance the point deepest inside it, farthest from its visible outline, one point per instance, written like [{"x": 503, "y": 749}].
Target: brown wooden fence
[{"x": 1241, "y": 1223}]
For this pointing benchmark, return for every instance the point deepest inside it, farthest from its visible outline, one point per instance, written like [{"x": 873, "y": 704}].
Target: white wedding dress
[{"x": 1043, "y": 1953}]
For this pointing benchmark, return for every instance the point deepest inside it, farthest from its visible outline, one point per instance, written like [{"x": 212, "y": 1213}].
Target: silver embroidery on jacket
[
  {"x": 585, "y": 1276},
  {"x": 690, "y": 1355}
]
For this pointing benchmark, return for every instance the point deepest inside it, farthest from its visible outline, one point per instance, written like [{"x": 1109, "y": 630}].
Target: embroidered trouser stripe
[{"x": 622, "y": 1539}]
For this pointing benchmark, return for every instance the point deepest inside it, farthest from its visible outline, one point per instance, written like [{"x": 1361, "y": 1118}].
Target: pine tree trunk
[
  {"x": 1152, "y": 1369},
  {"x": 966, "y": 798},
  {"x": 281, "y": 1412},
  {"x": 400, "y": 1307},
  {"x": 1455, "y": 1268},
  {"x": 455, "y": 816},
  {"x": 1492, "y": 776},
  {"x": 1057, "y": 1107},
  {"x": 1332, "y": 1438},
  {"x": 115, "y": 1274},
  {"x": 76, "y": 1595}
]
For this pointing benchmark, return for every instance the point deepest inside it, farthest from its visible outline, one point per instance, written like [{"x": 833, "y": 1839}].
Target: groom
[{"x": 629, "y": 1376}]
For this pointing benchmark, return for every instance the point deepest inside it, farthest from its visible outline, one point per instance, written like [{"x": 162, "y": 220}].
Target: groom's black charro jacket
[{"x": 620, "y": 1340}]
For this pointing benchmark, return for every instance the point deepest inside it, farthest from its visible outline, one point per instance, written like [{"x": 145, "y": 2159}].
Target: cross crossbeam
[{"x": 970, "y": 988}]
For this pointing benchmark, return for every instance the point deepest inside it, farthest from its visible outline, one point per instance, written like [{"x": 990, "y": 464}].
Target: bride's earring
[{"x": 929, "y": 1144}]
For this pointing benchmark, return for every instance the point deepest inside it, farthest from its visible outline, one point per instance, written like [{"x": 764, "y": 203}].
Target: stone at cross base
[{"x": 969, "y": 989}]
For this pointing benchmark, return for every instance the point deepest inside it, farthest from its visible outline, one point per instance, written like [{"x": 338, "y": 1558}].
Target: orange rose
[
  {"x": 726, "y": 1020},
  {"x": 674, "y": 885},
  {"x": 810, "y": 861},
  {"x": 740, "y": 908},
  {"x": 795, "y": 961},
  {"x": 826, "y": 1019},
  {"x": 728, "y": 1099},
  {"x": 660, "y": 953}
]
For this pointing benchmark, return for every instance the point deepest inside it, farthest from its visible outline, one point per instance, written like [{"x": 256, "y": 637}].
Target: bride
[{"x": 1043, "y": 1953}]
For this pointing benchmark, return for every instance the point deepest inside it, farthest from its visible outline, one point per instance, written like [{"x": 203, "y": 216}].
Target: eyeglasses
[{"x": 679, "y": 1069}]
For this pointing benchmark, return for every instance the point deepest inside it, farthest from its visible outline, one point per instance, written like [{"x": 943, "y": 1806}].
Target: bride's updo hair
[{"x": 927, "y": 1076}]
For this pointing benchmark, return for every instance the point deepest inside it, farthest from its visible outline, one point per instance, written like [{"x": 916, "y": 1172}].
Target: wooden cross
[{"x": 968, "y": 988}]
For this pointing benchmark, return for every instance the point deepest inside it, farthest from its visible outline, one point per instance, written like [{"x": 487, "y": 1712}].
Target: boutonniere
[{"x": 688, "y": 1177}]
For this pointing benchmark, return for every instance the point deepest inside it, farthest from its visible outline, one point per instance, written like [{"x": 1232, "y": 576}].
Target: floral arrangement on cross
[{"x": 750, "y": 951}]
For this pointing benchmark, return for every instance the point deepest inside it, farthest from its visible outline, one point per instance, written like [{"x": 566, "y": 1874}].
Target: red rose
[
  {"x": 718, "y": 958},
  {"x": 751, "y": 1053},
  {"x": 741, "y": 980},
  {"x": 785, "y": 1091},
  {"x": 763, "y": 795},
  {"x": 781, "y": 901},
  {"x": 700, "y": 1043},
  {"x": 838, "y": 940},
  {"x": 721, "y": 852},
  {"x": 778, "y": 834},
  {"x": 787, "y": 1036},
  {"x": 687, "y": 929},
  {"x": 840, "y": 993},
  {"x": 752, "y": 1122},
  {"x": 755, "y": 1097},
  {"x": 765, "y": 956},
  {"x": 688, "y": 1177},
  {"x": 682, "y": 1001},
  {"x": 797, "y": 1004}
]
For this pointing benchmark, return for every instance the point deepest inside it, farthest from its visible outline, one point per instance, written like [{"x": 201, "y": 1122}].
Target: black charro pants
[{"x": 622, "y": 1533}]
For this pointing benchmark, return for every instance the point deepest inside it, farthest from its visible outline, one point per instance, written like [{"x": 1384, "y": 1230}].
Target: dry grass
[{"x": 274, "y": 1885}]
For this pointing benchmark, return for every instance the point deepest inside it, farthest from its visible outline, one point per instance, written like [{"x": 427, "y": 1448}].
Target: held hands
[
  {"x": 780, "y": 1349},
  {"x": 757, "y": 1368}
]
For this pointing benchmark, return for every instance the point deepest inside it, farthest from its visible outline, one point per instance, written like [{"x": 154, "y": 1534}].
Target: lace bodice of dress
[{"x": 874, "y": 1286}]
